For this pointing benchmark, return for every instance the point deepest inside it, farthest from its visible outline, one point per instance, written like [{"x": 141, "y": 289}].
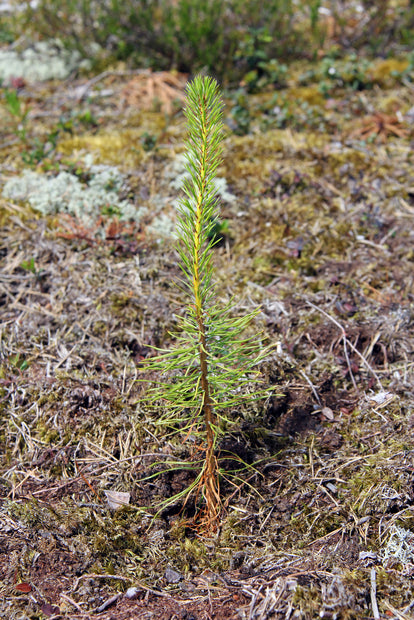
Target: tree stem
[{"x": 209, "y": 480}]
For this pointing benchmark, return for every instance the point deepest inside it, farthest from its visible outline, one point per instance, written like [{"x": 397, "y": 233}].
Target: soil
[{"x": 320, "y": 522}]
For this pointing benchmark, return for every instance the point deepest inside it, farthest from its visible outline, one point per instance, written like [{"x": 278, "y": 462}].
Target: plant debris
[
  {"x": 379, "y": 125},
  {"x": 162, "y": 88}
]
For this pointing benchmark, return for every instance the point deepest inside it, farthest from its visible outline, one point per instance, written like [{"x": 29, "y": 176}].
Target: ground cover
[{"x": 317, "y": 211}]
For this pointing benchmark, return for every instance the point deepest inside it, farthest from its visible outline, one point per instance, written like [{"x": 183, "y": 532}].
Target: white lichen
[
  {"x": 66, "y": 193},
  {"x": 400, "y": 545},
  {"x": 162, "y": 227},
  {"x": 45, "y": 60}
]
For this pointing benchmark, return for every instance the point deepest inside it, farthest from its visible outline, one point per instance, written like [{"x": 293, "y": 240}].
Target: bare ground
[{"x": 321, "y": 236}]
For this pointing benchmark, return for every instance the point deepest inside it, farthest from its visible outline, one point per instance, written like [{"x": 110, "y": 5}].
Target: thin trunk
[
  {"x": 209, "y": 480},
  {"x": 210, "y": 477}
]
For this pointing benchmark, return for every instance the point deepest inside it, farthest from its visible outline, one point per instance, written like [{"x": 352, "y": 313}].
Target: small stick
[
  {"x": 312, "y": 387},
  {"x": 84, "y": 89},
  {"x": 120, "y": 578},
  {"x": 72, "y": 602},
  {"x": 374, "y": 594},
  {"x": 401, "y": 615},
  {"x": 89, "y": 485},
  {"x": 311, "y": 458},
  {"x": 107, "y": 603}
]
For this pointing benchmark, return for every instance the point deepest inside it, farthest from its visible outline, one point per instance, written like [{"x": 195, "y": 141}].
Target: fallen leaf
[
  {"x": 23, "y": 587},
  {"x": 117, "y": 499}
]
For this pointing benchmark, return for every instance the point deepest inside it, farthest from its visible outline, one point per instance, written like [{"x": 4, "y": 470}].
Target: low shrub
[
  {"x": 228, "y": 38},
  {"x": 380, "y": 27}
]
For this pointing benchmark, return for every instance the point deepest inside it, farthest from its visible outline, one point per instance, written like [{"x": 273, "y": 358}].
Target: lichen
[
  {"x": 45, "y": 60},
  {"x": 66, "y": 193},
  {"x": 400, "y": 545}
]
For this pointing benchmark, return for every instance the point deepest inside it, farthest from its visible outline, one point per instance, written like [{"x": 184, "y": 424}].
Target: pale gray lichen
[
  {"x": 65, "y": 193},
  {"x": 400, "y": 545},
  {"x": 45, "y": 60},
  {"x": 163, "y": 227}
]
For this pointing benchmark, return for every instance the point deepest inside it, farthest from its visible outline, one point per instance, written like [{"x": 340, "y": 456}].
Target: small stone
[
  {"x": 172, "y": 576},
  {"x": 132, "y": 592},
  {"x": 367, "y": 555}
]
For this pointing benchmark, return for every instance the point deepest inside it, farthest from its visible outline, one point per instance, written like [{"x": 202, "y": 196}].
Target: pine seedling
[{"x": 213, "y": 365}]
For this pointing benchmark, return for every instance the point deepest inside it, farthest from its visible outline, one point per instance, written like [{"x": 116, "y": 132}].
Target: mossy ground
[{"x": 321, "y": 237}]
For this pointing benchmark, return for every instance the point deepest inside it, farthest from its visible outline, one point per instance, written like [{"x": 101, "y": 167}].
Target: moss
[
  {"x": 386, "y": 72},
  {"x": 119, "y": 301},
  {"x": 307, "y": 601},
  {"x": 46, "y": 434},
  {"x": 119, "y": 147},
  {"x": 310, "y": 94}
]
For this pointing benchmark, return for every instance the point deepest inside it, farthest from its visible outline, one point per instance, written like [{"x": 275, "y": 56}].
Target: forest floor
[{"x": 317, "y": 224}]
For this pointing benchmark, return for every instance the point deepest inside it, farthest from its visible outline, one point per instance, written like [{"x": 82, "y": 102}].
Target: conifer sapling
[{"x": 213, "y": 365}]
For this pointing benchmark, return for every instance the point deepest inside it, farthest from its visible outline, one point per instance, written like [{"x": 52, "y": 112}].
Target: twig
[
  {"x": 107, "y": 603},
  {"x": 315, "y": 393},
  {"x": 89, "y": 485},
  {"x": 68, "y": 354},
  {"x": 84, "y": 89},
  {"x": 406, "y": 609},
  {"x": 50, "y": 490},
  {"x": 72, "y": 602},
  {"x": 120, "y": 578},
  {"x": 311, "y": 463},
  {"x": 374, "y": 594},
  {"x": 254, "y": 596},
  {"x": 99, "y": 576},
  {"x": 339, "y": 529},
  {"x": 267, "y": 518}
]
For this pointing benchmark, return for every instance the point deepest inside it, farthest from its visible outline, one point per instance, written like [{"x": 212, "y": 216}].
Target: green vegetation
[
  {"x": 186, "y": 35},
  {"x": 228, "y": 38},
  {"x": 18, "y": 112}
]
